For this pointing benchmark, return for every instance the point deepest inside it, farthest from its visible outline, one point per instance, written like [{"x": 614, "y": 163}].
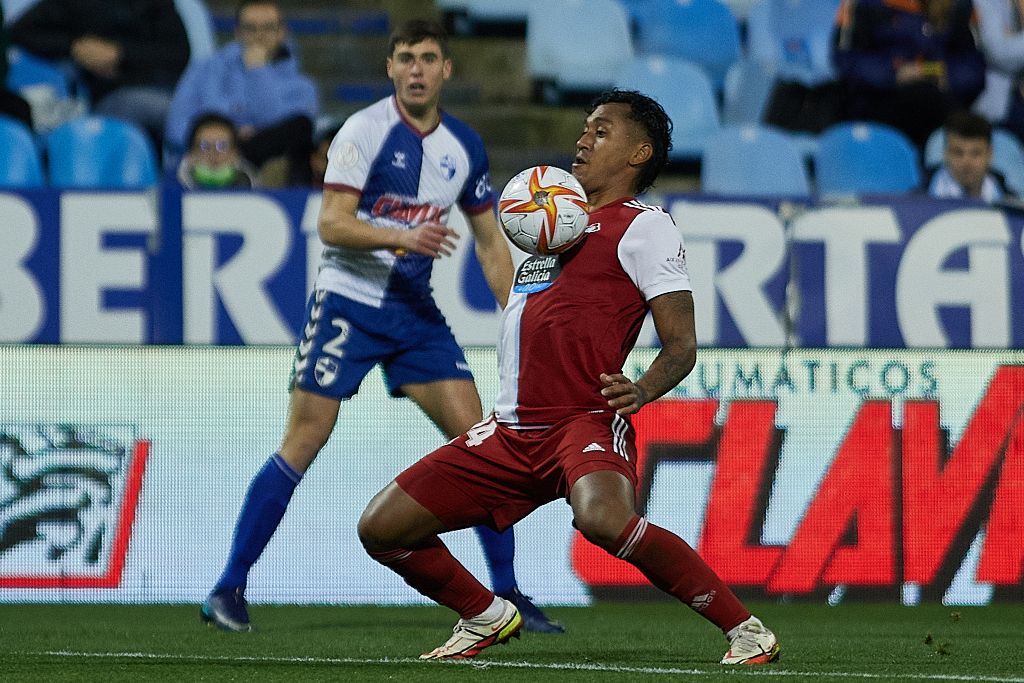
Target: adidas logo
[
  {"x": 593, "y": 447},
  {"x": 699, "y": 603}
]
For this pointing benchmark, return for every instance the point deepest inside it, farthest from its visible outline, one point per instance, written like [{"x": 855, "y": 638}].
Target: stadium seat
[
  {"x": 793, "y": 38},
  {"x": 562, "y": 40},
  {"x": 21, "y": 166},
  {"x": 748, "y": 85},
  {"x": 195, "y": 15},
  {"x": 704, "y": 32},
  {"x": 15, "y": 8},
  {"x": 685, "y": 92},
  {"x": 27, "y": 70},
  {"x": 753, "y": 160},
  {"x": 1007, "y": 156},
  {"x": 865, "y": 157},
  {"x": 99, "y": 152}
]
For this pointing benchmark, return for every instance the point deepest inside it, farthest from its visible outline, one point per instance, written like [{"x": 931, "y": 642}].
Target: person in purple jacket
[
  {"x": 907, "y": 63},
  {"x": 255, "y": 82}
]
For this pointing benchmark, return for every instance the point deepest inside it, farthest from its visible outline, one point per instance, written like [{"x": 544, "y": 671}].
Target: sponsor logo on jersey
[
  {"x": 399, "y": 160},
  {"x": 407, "y": 211},
  {"x": 448, "y": 166},
  {"x": 593, "y": 227},
  {"x": 594, "y": 446},
  {"x": 68, "y": 497},
  {"x": 536, "y": 274},
  {"x": 326, "y": 371}
]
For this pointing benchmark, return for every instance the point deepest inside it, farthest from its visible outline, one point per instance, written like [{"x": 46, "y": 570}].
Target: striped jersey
[
  {"x": 574, "y": 316},
  {"x": 404, "y": 178}
]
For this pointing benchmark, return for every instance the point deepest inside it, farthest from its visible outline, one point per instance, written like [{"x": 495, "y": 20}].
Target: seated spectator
[
  {"x": 1001, "y": 37},
  {"x": 255, "y": 82},
  {"x": 129, "y": 53},
  {"x": 318, "y": 157},
  {"x": 213, "y": 161},
  {"x": 907, "y": 63},
  {"x": 11, "y": 104},
  {"x": 966, "y": 170}
]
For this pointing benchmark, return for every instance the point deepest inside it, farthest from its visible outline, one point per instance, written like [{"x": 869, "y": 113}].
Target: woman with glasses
[{"x": 213, "y": 161}]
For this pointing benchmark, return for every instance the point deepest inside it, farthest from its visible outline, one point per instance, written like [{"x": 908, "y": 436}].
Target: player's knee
[
  {"x": 601, "y": 525},
  {"x": 372, "y": 532}
]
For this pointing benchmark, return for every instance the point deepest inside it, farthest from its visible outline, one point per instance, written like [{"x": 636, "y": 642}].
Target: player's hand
[
  {"x": 622, "y": 393},
  {"x": 430, "y": 239}
]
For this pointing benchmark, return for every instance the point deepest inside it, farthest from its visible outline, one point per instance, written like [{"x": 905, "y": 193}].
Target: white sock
[
  {"x": 734, "y": 631},
  {"x": 492, "y": 612}
]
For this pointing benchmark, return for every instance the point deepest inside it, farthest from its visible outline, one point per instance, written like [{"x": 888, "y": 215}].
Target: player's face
[
  {"x": 610, "y": 151},
  {"x": 418, "y": 72},
  {"x": 968, "y": 160}
]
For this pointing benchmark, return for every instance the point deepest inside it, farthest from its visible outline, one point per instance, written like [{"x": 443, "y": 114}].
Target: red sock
[
  {"x": 676, "y": 568},
  {"x": 434, "y": 572}
]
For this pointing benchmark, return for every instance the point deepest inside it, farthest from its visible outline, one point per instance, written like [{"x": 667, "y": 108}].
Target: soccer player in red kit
[{"x": 560, "y": 427}]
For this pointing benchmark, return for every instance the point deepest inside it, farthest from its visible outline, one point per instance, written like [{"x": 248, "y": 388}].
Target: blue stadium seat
[
  {"x": 27, "y": 70},
  {"x": 686, "y": 93},
  {"x": 576, "y": 45},
  {"x": 21, "y": 167},
  {"x": 748, "y": 85},
  {"x": 793, "y": 38},
  {"x": 102, "y": 153},
  {"x": 865, "y": 157},
  {"x": 753, "y": 160},
  {"x": 195, "y": 15},
  {"x": 1007, "y": 156},
  {"x": 701, "y": 31}
]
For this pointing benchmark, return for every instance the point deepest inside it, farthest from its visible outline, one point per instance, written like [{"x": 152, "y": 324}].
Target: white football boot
[
  {"x": 751, "y": 643},
  {"x": 471, "y": 636}
]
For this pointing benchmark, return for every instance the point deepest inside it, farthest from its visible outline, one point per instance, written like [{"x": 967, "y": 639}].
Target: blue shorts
[{"x": 342, "y": 340}]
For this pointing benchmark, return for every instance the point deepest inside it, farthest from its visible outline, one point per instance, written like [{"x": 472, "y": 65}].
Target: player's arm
[
  {"x": 492, "y": 252},
  {"x": 673, "y": 319},
  {"x": 338, "y": 226}
]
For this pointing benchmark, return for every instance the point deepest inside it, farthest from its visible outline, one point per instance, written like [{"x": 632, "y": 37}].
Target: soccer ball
[{"x": 543, "y": 210}]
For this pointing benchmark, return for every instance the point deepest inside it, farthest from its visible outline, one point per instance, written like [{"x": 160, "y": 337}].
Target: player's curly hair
[{"x": 652, "y": 118}]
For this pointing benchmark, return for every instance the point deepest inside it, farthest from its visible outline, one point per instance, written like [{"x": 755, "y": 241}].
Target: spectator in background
[
  {"x": 130, "y": 53},
  {"x": 907, "y": 63},
  {"x": 255, "y": 82},
  {"x": 318, "y": 157},
  {"x": 966, "y": 170},
  {"x": 1001, "y": 37},
  {"x": 11, "y": 104},
  {"x": 213, "y": 161}
]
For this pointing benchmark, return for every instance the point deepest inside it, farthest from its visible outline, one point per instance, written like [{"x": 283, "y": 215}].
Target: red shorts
[{"x": 494, "y": 475}]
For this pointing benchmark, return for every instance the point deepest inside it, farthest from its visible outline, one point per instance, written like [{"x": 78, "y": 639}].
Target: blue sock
[
  {"x": 261, "y": 513},
  {"x": 499, "y": 550}
]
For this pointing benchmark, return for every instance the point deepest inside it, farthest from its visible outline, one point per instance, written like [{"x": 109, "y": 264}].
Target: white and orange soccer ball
[{"x": 543, "y": 210}]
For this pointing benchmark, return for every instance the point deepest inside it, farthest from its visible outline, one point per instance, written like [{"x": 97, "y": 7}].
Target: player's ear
[
  {"x": 388, "y": 65},
  {"x": 446, "y": 69},
  {"x": 642, "y": 154}
]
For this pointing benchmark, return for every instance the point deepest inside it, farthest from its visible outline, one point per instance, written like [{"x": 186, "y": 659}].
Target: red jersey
[{"x": 574, "y": 316}]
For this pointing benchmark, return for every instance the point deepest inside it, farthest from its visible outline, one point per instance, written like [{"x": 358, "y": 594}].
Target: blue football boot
[
  {"x": 226, "y": 610},
  {"x": 533, "y": 619}
]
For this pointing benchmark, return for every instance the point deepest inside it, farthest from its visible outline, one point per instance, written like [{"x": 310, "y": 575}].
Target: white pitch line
[{"x": 553, "y": 666}]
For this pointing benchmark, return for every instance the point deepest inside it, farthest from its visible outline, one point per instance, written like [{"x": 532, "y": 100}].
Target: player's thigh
[
  {"x": 394, "y": 519},
  {"x": 452, "y": 404},
  {"x": 311, "y": 419},
  {"x": 602, "y": 505}
]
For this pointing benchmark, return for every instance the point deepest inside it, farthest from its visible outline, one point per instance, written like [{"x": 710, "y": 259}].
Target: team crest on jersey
[
  {"x": 448, "y": 166},
  {"x": 326, "y": 371},
  {"x": 536, "y": 274}
]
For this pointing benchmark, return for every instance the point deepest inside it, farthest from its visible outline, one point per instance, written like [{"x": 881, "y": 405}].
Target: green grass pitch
[{"x": 608, "y": 641}]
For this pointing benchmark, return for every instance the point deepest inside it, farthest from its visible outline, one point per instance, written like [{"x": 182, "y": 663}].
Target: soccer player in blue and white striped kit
[{"x": 395, "y": 170}]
